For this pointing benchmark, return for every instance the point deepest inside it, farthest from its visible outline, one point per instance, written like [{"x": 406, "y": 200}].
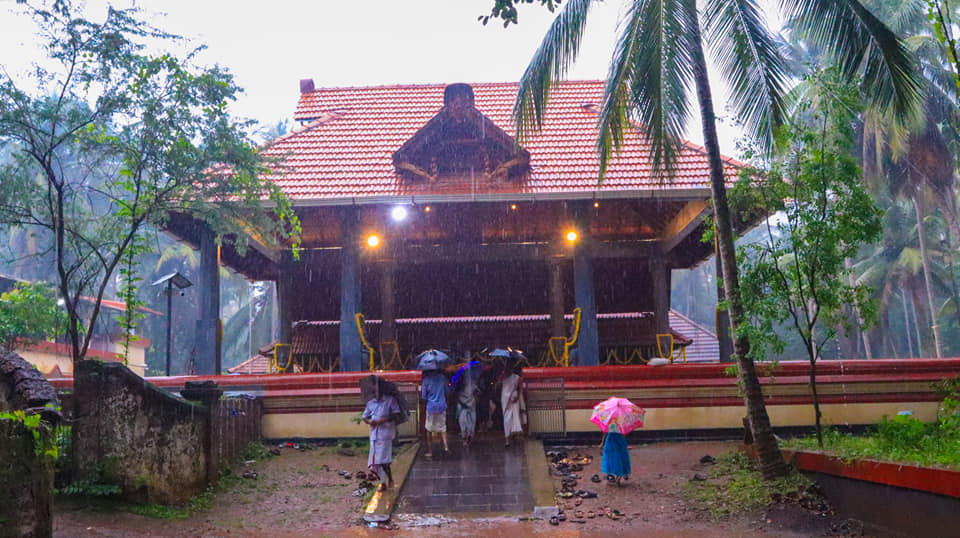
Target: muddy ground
[{"x": 295, "y": 494}]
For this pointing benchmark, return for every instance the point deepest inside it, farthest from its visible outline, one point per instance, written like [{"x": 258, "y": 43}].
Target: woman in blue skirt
[{"x": 616, "y": 459}]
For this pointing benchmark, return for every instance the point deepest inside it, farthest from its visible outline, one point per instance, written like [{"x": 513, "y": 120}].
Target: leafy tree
[
  {"x": 28, "y": 314},
  {"x": 659, "y": 56},
  {"x": 822, "y": 215},
  {"x": 106, "y": 140}
]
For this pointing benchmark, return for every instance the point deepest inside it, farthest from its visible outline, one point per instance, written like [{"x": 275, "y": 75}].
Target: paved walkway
[{"x": 485, "y": 477}]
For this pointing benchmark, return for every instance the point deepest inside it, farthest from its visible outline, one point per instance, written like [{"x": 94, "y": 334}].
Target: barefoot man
[{"x": 381, "y": 414}]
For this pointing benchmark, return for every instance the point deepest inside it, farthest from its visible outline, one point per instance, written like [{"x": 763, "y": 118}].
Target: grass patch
[
  {"x": 255, "y": 451},
  {"x": 734, "y": 485},
  {"x": 902, "y": 439}
]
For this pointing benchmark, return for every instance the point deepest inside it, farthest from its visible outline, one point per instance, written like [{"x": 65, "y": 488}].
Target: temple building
[{"x": 427, "y": 224}]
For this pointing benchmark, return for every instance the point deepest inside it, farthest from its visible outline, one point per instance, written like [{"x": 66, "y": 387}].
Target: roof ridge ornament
[{"x": 460, "y": 141}]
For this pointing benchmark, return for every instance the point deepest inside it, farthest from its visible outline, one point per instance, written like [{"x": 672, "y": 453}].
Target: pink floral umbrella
[{"x": 618, "y": 415}]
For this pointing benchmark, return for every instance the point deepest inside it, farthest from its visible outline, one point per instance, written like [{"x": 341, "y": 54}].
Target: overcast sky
[{"x": 270, "y": 46}]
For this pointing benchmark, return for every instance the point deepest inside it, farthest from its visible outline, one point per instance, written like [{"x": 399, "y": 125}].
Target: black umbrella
[{"x": 374, "y": 385}]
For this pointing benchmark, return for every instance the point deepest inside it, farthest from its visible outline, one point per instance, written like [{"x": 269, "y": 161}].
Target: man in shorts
[{"x": 435, "y": 389}]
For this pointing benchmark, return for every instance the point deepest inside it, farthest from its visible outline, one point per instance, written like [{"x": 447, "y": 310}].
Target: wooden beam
[
  {"x": 467, "y": 252},
  {"x": 685, "y": 221}
]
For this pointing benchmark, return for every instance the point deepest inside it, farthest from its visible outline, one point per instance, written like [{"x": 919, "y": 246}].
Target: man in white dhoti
[
  {"x": 513, "y": 405},
  {"x": 381, "y": 414}
]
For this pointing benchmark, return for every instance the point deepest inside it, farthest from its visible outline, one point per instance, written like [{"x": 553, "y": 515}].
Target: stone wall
[
  {"x": 26, "y": 476},
  {"x": 130, "y": 433}
]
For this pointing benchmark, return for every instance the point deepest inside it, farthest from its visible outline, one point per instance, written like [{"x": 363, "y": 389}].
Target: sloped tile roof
[
  {"x": 344, "y": 150},
  {"x": 705, "y": 346}
]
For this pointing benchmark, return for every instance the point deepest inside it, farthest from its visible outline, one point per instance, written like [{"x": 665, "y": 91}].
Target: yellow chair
[
  {"x": 556, "y": 357},
  {"x": 282, "y": 360},
  {"x": 672, "y": 354},
  {"x": 361, "y": 321}
]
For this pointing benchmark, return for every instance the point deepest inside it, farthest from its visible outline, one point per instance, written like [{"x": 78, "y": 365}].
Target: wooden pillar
[
  {"x": 388, "y": 298},
  {"x": 660, "y": 280},
  {"x": 351, "y": 348},
  {"x": 588, "y": 346},
  {"x": 558, "y": 325},
  {"x": 208, "y": 326},
  {"x": 285, "y": 302},
  {"x": 723, "y": 318}
]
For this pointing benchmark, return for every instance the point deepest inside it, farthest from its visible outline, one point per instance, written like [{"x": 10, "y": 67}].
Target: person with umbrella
[
  {"x": 382, "y": 414},
  {"x": 616, "y": 417},
  {"x": 434, "y": 390}
]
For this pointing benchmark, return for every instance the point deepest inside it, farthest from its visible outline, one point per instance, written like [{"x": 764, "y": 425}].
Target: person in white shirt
[{"x": 381, "y": 414}]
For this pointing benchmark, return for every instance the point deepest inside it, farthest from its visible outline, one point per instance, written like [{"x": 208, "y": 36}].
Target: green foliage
[
  {"x": 255, "y": 451},
  {"x": 901, "y": 439},
  {"x": 734, "y": 485},
  {"x": 506, "y": 10},
  {"x": 28, "y": 314},
  {"x": 90, "y": 488},
  {"x": 44, "y": 444},
  {"x": 821, "y": 215},
  {"x": 129, "y": 282},
  {"x": 99, "y": 483},
  {"x": 948, "y": 388},
  {"x": 106, "y": 140}
]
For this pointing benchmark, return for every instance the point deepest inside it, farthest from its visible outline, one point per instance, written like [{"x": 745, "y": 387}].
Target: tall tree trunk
[
  {"x": 771, "y": 460},
  {"x": 928, "y": 284},
  {"x": 848, "y": 264},
  {"x": 906, "y": 325},
  {"x": 915, "y": 299}
]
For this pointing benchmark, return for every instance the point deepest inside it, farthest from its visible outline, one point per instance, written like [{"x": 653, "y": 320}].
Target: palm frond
[
  {"x": 648, "y": 83},
  {"x": 748, "y": 58},
  {"x": 862, "y": 45},
  {"x": 550, "y": 62}
]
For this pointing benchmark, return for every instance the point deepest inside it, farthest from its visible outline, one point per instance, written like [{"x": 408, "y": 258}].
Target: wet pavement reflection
[{"x": 486, "y": 477}]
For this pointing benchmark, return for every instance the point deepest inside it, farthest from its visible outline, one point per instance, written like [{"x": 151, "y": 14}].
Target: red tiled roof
[
  {"x": 705, "y": 346},
  {"x": 345, "y": 150},
  {"x": 257, "y": 364}
]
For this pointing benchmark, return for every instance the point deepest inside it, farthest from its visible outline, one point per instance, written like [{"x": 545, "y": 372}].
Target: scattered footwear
[
  {"x": 584, "y": 494},
  {"x": 595, "y": 478},
  {"x": 360, "y": 475},
  {"x": 578, "y": 501},
  {"x": 250, "y": 474},
  {"x": 591, "y": 514},
  {"x": 562, "y": 516},
  {"x": 578, "y": 514},
  {"x": 360, "y": 492},
  {"x": 554, "y": 520},
  {"x": 708, "y": 459}
]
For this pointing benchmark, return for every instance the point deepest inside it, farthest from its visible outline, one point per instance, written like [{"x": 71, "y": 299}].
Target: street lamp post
[{"x": 181, "y": 282}]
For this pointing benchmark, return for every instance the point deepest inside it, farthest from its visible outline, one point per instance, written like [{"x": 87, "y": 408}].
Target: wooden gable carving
[{"x": 460, "y": 141}]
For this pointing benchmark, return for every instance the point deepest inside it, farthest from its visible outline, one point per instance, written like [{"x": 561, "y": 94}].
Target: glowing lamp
[
  {"x": 373, "y": 240},
  {"x": 513, "y": 207},
  {"x": 571, "y": 236},
  {"x": 398, "y": 213}
]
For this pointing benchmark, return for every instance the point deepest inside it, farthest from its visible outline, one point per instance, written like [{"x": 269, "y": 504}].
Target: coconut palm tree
[{"x": 659, "y": 54}]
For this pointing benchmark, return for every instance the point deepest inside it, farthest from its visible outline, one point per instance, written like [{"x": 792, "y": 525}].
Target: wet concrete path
[{"x": 484, "y": 478}]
